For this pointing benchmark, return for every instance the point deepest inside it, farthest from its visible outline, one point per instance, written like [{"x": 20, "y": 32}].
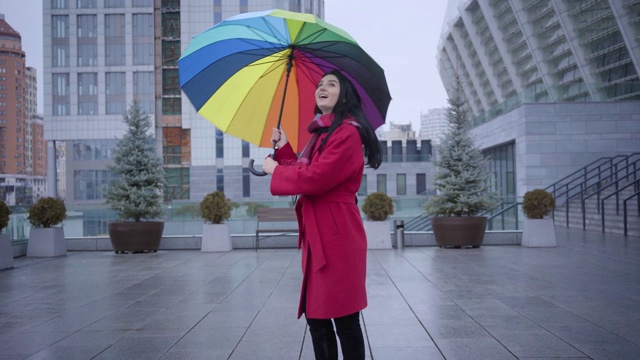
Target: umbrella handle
[
  {"x": 254, "y": 171},
  {"x": 273, "y": 156}
]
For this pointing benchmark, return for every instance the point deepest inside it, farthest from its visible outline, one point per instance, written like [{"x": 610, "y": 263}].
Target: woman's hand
[
  {"x": 279, "y": 138},
  {"x": 269, "y": 165}
]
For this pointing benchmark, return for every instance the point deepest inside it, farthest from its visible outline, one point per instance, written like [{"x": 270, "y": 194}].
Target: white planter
[
  {"x": 539, "y": 233},
  {"x": 216, "y": 238},
  {"x": 378, "y": 234},
  {"x": 6, "y": 252},
  {"x": 46, "y": 242}
]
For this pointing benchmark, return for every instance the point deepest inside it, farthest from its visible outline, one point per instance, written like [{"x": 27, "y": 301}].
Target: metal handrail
[
  {"x": 598, "y": 175},
  {"x": 584, "y": 186},
  {"x": 598, "y": 192},
  {"x": 584, "y": 169},
  {"x": 635, "y": 183},
  {"x": 624, "y": 206},
  {"x": 501, "y": 213}
]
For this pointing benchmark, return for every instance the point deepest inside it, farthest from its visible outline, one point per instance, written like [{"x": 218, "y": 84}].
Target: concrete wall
[{"x": 554, "y": 140}]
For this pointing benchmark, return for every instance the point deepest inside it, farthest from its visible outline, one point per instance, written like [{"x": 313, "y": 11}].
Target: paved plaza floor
[{"x": 580, "y": 300}]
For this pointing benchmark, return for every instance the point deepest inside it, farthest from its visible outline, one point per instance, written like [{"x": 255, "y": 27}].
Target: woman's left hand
[{"x": 269, "y": 165}]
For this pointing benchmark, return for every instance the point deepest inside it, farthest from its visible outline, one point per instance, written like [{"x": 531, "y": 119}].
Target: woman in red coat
[{"x": 327, "y": 176}]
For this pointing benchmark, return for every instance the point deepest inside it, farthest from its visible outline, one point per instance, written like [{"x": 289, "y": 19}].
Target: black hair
[{"x": 349, "y": 103}]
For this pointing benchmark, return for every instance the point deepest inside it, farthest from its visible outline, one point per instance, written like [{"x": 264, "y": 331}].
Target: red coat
[{"x": 332, "y": 237}]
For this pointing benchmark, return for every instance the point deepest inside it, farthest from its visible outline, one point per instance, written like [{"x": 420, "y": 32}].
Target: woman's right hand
[{"x": 279, "y": 138}]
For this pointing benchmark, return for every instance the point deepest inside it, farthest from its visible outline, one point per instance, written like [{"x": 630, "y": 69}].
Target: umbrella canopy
[{"x": 254, "y": 70}]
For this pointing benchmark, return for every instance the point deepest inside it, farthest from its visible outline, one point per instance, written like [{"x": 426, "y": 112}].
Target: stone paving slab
[{"x": 580, "y": 300}]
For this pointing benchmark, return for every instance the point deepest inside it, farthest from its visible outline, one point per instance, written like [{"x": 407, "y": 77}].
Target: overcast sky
[{"x": 402, "y": 36}]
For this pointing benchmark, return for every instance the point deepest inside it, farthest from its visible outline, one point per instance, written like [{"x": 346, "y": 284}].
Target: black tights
[{"x": 325, "y": 345}]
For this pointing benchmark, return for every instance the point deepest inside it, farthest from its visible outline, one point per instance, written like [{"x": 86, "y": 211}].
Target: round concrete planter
[
  {"x": 459, "y": 231},
  {"x": 143, "y": 236}
]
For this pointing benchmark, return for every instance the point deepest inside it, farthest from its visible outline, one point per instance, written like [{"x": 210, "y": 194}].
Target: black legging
[{"x": 325, "y": 345}]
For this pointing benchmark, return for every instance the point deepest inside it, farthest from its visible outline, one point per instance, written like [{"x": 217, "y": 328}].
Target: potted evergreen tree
[
  {"x": 538, "y": 230},
  {"x": 46, "y": 239},
  {"x": 136, "y": 195},
  {"x": 6, "y": 251},
  {"x": 377, "y": 208},
  {"x": 461, "y": 182},
  {"x": 214, "y": 209}
]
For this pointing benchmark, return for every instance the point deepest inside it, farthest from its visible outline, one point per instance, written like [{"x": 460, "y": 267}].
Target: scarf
[{"x": 317, "y": 127}]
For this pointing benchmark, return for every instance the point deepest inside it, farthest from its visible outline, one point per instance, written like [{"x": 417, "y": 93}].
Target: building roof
[{"x": 7, "y": 31}]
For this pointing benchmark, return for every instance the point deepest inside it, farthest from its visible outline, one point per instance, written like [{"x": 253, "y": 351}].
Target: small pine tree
[
  {"x": 137, "y": 193},
  {"x": 460, "y": 178}
]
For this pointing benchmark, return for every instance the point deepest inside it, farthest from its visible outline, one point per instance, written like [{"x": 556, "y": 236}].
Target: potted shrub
[
  {"x": 538, "y": 229},
  {"x": 6, "y": 251},
  {"x": 136, "y": 195},
  {"x": 377, "y": 208},
  {"x": 214, "y": 209},
  {"x": 46, "y": 239},
  {"x": 461, "y": 182}
]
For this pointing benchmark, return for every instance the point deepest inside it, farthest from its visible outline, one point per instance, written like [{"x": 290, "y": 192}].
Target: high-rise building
[
  {"x": 433, "y": 125},
  {"x": 551, "y": 85},
  {"x": 100, "y": 55},
  {"x": 18, "y": 106}
]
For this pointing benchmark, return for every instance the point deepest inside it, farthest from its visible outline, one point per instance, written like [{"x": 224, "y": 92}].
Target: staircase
[
  {"x": 586, "y": 199},
  {"x": 594, "y": 197}
]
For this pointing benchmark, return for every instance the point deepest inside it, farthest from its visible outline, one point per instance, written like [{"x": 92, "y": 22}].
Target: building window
[
  {"x": 61, "y": 94},
  {"x": 177, "y": 184},
  {"x": 219, "y": 144},
  {"x": 59, "y": 4},
  {"x": 87, "y": 84},
  {"x": 86, "y": 4},
  {"x": 401, "y": 184},
  {"x": 87, "y": 26},
  {"x": 501, "y": 168},
  {"x": 170, "y": 52},
  {"x": 425, "y": 150},
  {"x": 421, "y": 184},
  {"x": 115, "y": 89},
  {"x": 220, "y": 180},
  {"x": 382, "y": 183},
  {"x": 114, "y": 39},
  {"x": 383, "y": 146},
  {"x": 217, "y": 11},
  {"x": 87, "y": 55},
  {"x": 412, "y": 151},
  {"x": 60, "y": 55},
  {"x": 113, "y": 3},
  {"x": 170, "y": 82},
  {"x": 90, "y": 184},
  {"x": 396, "y": 151},
  {"x": 143, "y": 90},
  {"x": 142, "y": 39},
  {"x": 142, "y": 3},
  {"x": 60, "y": 26},
  {"x": 171, "y": 25},
  {"x": 245, "y": 149},
  {"x": 244, "y": 6},
  {"x": 171, "y": 106},
  {"x": 362, "y": 191},
  {"x": 246, "y": 183}
]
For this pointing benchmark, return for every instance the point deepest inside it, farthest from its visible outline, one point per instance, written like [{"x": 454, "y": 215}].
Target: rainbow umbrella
[{"x": 256, "y": 71}]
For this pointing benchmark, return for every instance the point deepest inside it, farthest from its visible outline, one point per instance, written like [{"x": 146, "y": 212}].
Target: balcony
[{"x": 584, "y": 4}]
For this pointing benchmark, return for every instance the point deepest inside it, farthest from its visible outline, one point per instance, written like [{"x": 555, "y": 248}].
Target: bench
[{"x": 273, "y": 215}]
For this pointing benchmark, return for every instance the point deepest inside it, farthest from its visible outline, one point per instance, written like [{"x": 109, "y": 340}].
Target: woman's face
[{"x": 327, "y": 93}]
